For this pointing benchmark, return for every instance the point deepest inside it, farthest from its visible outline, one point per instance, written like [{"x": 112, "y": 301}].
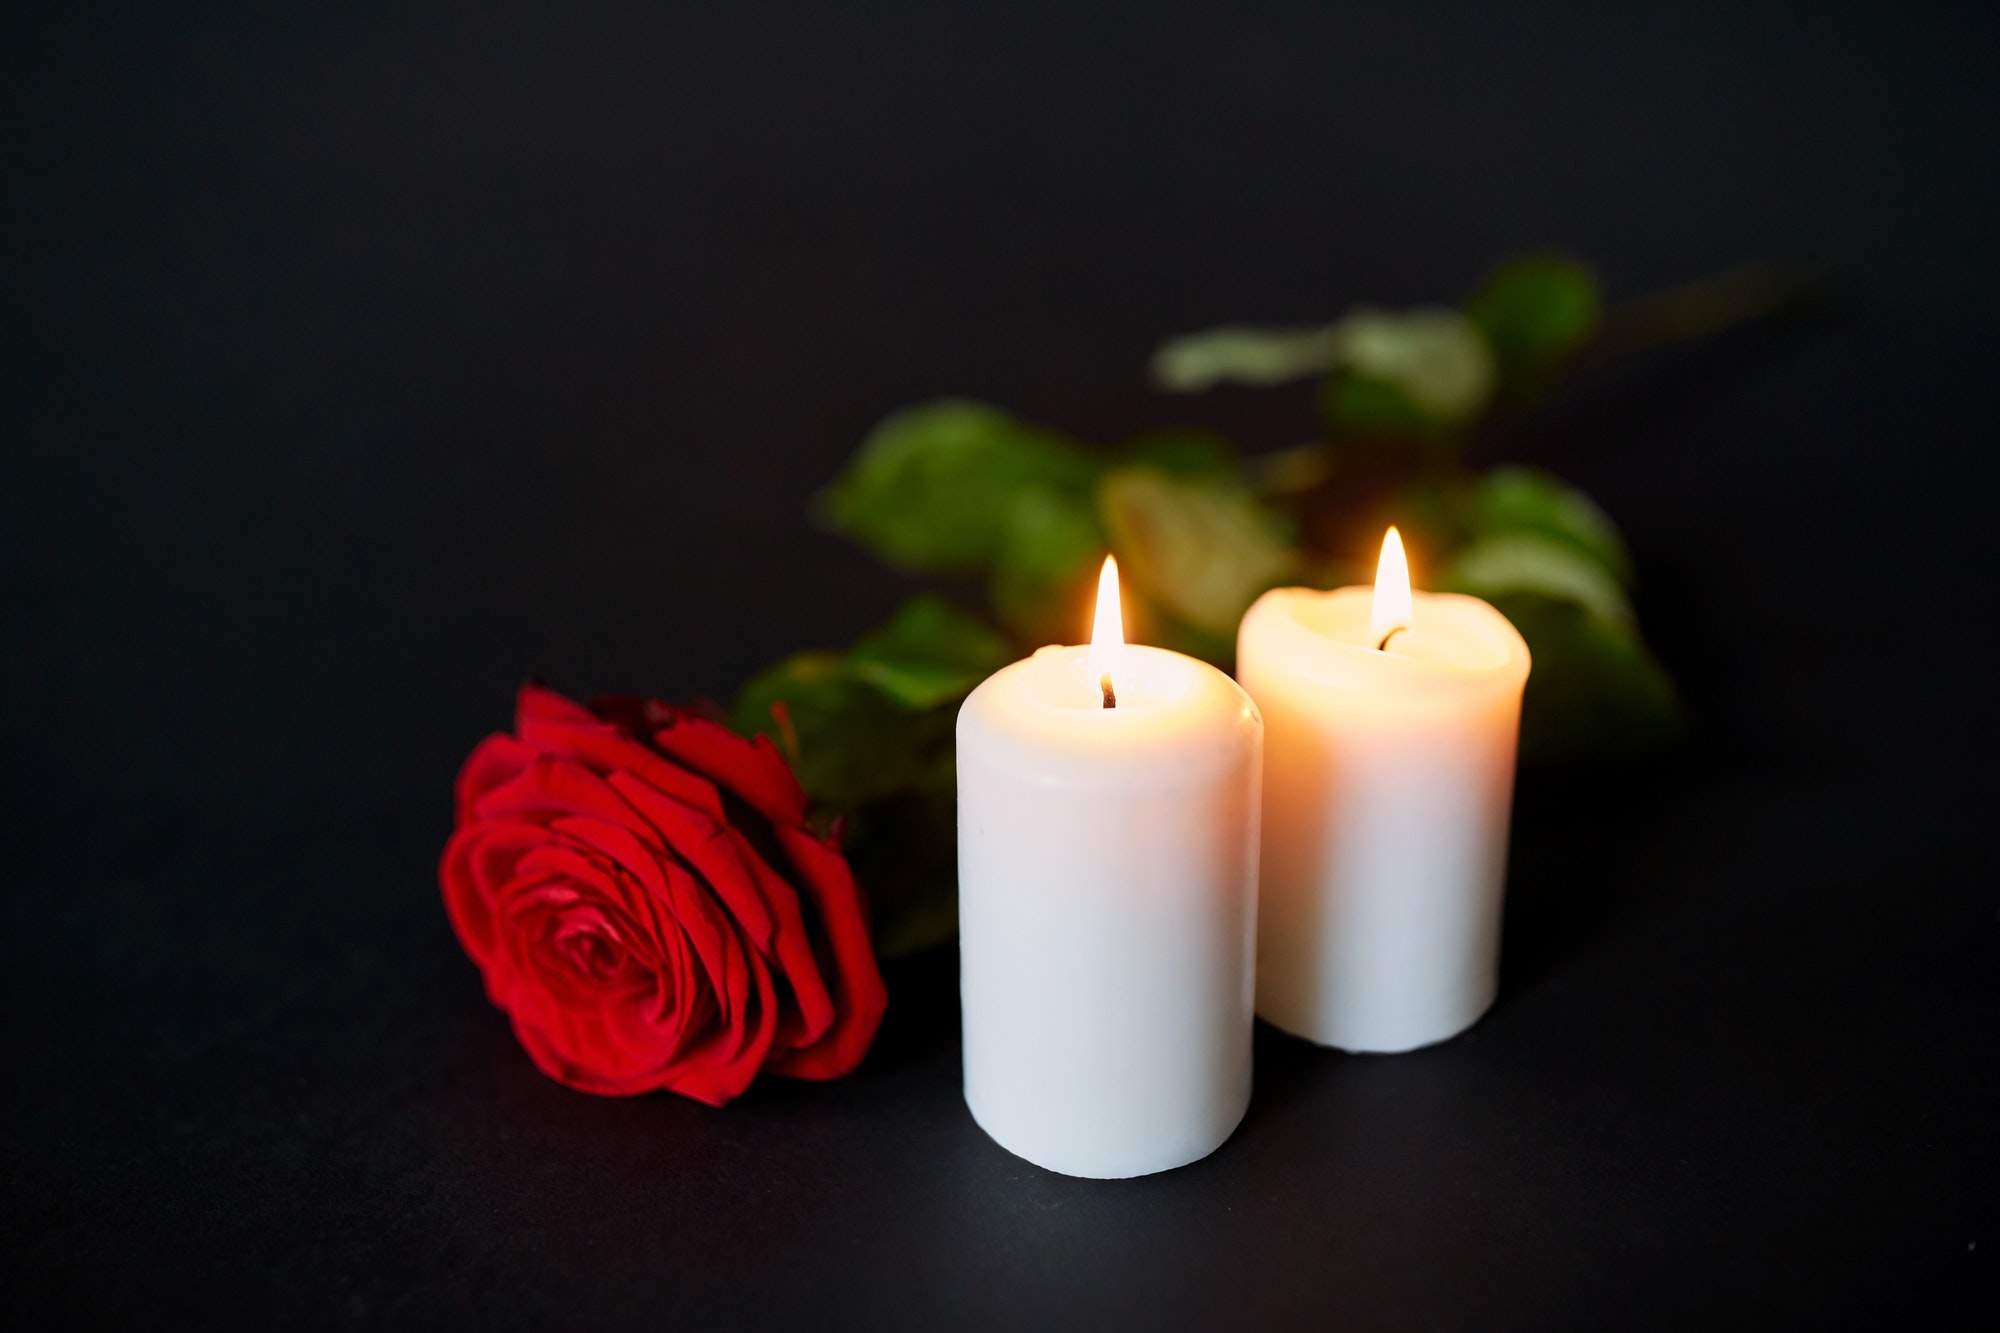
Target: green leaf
[
  {"x": 930, "y": 491},
  {"x": 1049, "y": 552},
  {"x": 1509, "y": 562},
  {"x": 1187, "y": 450},
  {"x": 1432, "y": 361},
  {"x": 1430, "y": 513},
  {"x": 904, "y": 852},
  {"x": 1244, "y": 354},
  {"x": 1535, "y": 311},
  {"x": 1552, "y": 563},
  {"x": 869, "y": 734},
  {"x": 1396, "y": 371},
  {"x": 929, "y": 654},
  {"x": 1357, "y": 405},
  {"x": 1202, "y": 549},
  {"x": 1524, "y": 499},
  {"x": 847, "y": 741},
  {"x": 1291, "y": 472},
  {"x": 924, "y": 920},
  {"x": 1595, "y": 693},
  {"x": 1216, "y": 647}
]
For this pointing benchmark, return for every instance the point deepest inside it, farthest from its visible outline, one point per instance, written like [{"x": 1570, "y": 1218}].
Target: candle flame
[
  {"x": 1107, "y": 634},
  {"x": 1392, "y": 608}
]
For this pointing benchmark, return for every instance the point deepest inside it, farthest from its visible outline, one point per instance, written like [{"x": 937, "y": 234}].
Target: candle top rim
[
  {"x": 1455, "y": 639},
  {"x": 1152, "y": 680},
  {"x": 1183, "y": 716}
]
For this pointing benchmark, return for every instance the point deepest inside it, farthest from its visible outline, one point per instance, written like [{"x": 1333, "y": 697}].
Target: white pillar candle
[
  {"x": 1107, "y": 889},
  {"x": 1388, "y": 776}
]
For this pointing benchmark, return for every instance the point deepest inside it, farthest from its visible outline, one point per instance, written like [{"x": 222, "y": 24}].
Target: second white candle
[{"x": 1389, "y": 774}]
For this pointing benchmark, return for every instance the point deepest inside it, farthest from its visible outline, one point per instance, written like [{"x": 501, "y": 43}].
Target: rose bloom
[{"x": 645, "y": 900}]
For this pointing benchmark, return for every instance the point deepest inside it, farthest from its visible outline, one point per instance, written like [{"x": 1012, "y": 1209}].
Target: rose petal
[
  {"x": 635, "y": 939},
  {"x": 685, "y": 907},
  {"x": 728, "y": 974},
  {"x": 585, "y": 1052},
  {"x": 539, "y": 703},
  {"x": 723, "y": 1066},
  {"x": 476, "y": 862},
  {"x": 707, "y": 846},
  {"x": 604, "y": 748},
  {"x": 495, "y": 760},
  {"x": 574, "y": 869},
  {"x": 859, "y": 997},
  {"x": 752, "y": 769},
  {"x": 791, "y": 947},
  {"x": 550, "y": 788}
]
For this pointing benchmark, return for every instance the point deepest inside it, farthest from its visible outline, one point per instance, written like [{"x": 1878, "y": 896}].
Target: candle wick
[
  {"x": 1384, "y": 645},
  {"x": 1110, "y": 695}
]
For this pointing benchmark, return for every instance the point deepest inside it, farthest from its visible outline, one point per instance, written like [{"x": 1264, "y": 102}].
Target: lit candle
[
  {"x": 1389, "y": 771},
  {"x": 1107, "y": 890}
]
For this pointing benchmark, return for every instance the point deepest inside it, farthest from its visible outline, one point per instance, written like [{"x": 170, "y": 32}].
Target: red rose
[{"x": 646, "y": 902}]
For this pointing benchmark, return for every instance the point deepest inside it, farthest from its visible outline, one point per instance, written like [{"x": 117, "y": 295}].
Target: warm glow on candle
[
  {"x": 1391, "y": 609},
  {"x": 1107, "y": 887},
  {"x": 1107, "y": 634}
]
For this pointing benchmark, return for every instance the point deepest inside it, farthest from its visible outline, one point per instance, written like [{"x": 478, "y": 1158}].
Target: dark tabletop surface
[{"x": 358, "y": 365}]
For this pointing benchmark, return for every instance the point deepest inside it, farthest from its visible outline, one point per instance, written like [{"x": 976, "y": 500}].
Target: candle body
[
  {"x": 1388, "y": 781},
  {"x": 1107, "y": 910}
]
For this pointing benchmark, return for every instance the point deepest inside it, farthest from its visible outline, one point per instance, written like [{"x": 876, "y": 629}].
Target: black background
[{"x": 358, "y": 364}]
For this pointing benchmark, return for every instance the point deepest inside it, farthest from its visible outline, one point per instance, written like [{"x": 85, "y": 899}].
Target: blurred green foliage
[
  {"x": 952, "y": 488},
  {"x": 937, "y": 487},
  {"x": 1534, "y": 312}
]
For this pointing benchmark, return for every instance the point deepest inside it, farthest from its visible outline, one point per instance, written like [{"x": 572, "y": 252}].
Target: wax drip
[
  {"x": 1384, "y": 645},
  {"x": 1110, "y": 695}
]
